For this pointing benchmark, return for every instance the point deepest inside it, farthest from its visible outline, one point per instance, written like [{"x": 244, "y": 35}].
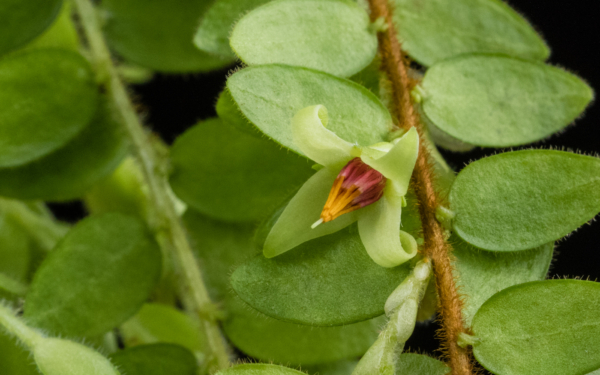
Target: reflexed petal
[
  {"x": 399, "y": 162},
  {"x": 294, "y": 225},
  {"x": 318, "y": 143},
  {"x": 379, "y": 229}
]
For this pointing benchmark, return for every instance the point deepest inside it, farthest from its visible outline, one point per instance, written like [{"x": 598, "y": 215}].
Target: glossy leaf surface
[
  {"x": 434, "y": 30},
  {"x": 231, "y": 175},
  {"x": 327, "y": 281},
  {"x": 48, "y": 97},
  {"x": 258, "y": 369},
  {"x": 155, "y": 359},
  {"x": 497, "y": 101},
  {"x": 557, "y": 190},
  {"x": 331, "y": 36},
  {"x": 215, "y": 27},
  {"x": 355, "y": 114},
  {"x": 70, "y": 171},
  {"x": 24, "y": 20},
  {"x": 417, "y": 364},
  {"x": 481, "y": 274},
  {"x": 547, "y": 327},
  {"x": 158, "y": 34},
  {"x": 98, "y": 276}
]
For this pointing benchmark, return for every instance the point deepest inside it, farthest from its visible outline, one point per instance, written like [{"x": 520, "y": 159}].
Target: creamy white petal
[
  {"x": 379, "y": 229},
  {"x": 294, "y": 225},
  {"x": 316, "y": 141},
  {"x": 399, "y": 162}
]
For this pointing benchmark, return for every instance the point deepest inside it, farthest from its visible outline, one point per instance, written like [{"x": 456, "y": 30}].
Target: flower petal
[
  {"x": 379, "y": 229},
  {"x": 399, "y": 162},
  {"x": 294, "y": 225},
  {"x": 318, "y": 143}
]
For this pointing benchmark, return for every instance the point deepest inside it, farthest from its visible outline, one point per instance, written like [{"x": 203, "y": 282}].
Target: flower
[{"x": 364, "y": 184}]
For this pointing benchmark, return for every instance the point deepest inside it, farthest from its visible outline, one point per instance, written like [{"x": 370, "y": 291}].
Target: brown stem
[{"x": 395, "y": 65}]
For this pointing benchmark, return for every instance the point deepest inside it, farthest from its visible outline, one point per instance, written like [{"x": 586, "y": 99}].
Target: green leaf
[
  {"x": 481, "y": 274},
  {"x": 328, "y": 281},
  {"x": 259, "y": 369},
  {"x": 14, "y": 359},
  {"x": 231, "y": 175},
  {"x": 70, "y": 171},
  {"x": 498, "y": 101},
  {"x": 417, "y": 364},
  {"x": 230, "y": 113},
  {"x": 223, "y": 246},
  {"x": 15, "y": 248},
  {"x": 355, "y": 114},
  {"x": 158, "y": 34},
  {"x": 276, "y": 341},
  {"x": 155, "y": 359},
  {"x": 547, "y": 327},
  {"x": 24, "y": 20},
  {"x": 161, "y": 323},
  {"x": 99, "y": 275},
  {"x": 331, "y": 36},
  {"x": 558, "y": 191},
  {"x": 335, "y": 368},
  {"x": 434, "y": 30},
  {"x": 56, "y": 356},
  {"x": 48, "y": 97},
  {"x": 215, "y": 27}
]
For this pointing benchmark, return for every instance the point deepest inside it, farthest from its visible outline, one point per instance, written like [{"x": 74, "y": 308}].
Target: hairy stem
[
  {"x": 162, "y": 218},
  {"x": 17, "y": 328},
  {"x": 395, "y": 64}
]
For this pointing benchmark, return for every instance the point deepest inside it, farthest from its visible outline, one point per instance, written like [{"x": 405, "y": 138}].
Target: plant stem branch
[
  {"x": 17, "y": 328},
  {"x": 395, "y": 64},
  {"x": 163, "y": 218}
]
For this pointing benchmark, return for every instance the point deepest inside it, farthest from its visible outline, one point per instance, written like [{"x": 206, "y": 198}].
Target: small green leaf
[
  {"x": 259, "y": 369},
  {"x": 558, "y": 191},
  {"x": 434, "y": 30},
  {"x": 498, "y": 101},
  {"x": 230, "y": 113},
  {"x": 231, "y": 175},
  {"x": 15, "y": 248},
  {"x": 335, "y": 368},
  {"x": 61, "y": 34},
  {"x": 328, "y": 281},
  {"x": 158, "y": 34},
  {"x": 73, "y": 169},
  {"x": 417, "y": 364},
  {"x": 155, "y": 359},
  {"x": 48, "y": 96},
  {"x": 24, "y": 20},
  {"x": 355, "y": 114},
  {"x": 161, "y": 323},
  {"x": 273, "y": 340},
  {"x": 481, "y": 274},
  {"x": 63, "y": 357},
  {"x": 215, "y": 27},
  {"x": 331, "y": 36},
  {"x": 547, "y": 327},
  {"x": 98, "y": 276}
]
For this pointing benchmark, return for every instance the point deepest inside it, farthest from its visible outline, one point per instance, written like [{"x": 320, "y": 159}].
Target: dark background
[{"x": 571, "y": 29}]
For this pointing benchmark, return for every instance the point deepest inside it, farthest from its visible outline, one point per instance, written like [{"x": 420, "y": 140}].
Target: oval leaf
[
  {"x": 355, "y": 114},
  {"x": 98, "y": 276},
  {"x": 328, "y": 281},
  {"x": 215, "y": 27},
  {"x": 558, "y": 190},
  {"x": 231, "y": 175},
  {"x": 259, "y": 369},
  {"x": 158, "y": 34},
  {"x": 434, "y": 30},
  {"x": 24, "y": 20},
  {"x": 497, "y": 101},
  {"x": 155, "y": 359},
  {"x": 331, "y": 36},
  {"x": 417, "y": 364},
  {"x": 70, "y": 171},
  {"x": 547, "y": 327},
  {"x": 48, "y": 96},
  {"x": 481, "y": 274}
]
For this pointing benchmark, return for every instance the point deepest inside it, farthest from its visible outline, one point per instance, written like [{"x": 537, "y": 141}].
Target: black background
[{"x": 571, "y": 29}]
